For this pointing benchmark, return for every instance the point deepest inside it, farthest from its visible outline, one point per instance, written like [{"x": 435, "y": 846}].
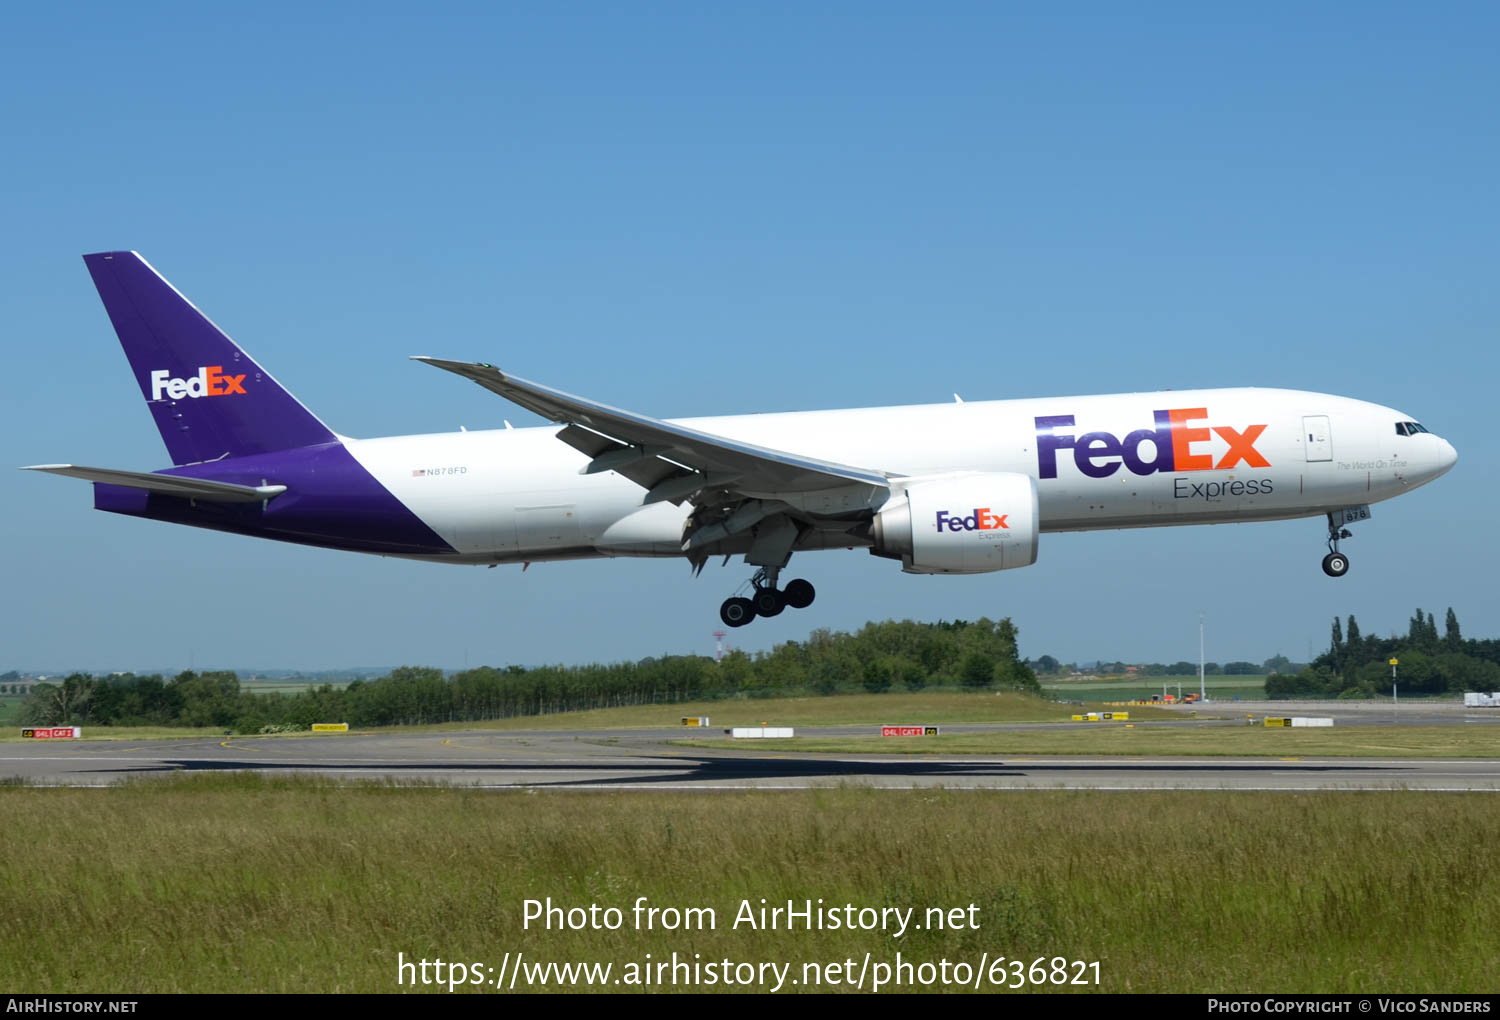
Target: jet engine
[{"x": 960, "y": 524}]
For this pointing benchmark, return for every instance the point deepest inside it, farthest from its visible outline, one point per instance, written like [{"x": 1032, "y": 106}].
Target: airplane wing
[
  {"x": 740, "y": 492},
  {"x": 170, "y": 485},
  {"x": 670, "y": 460}
]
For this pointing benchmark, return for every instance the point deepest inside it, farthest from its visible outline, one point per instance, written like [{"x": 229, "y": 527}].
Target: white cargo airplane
[{"x": 955, "y": 488}]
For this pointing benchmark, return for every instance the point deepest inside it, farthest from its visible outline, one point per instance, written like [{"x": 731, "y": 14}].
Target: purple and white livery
[{"x": 944, "y": 488}]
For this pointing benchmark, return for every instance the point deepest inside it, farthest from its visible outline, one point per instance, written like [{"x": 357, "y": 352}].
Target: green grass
[
  {"x": 1115, "y": 739},
  {"x": 239, "y": 883},
  {"x": 10, "y": 706},
  {"x": 834, "y": 710},
  {"x": 1223, "y": 688}
]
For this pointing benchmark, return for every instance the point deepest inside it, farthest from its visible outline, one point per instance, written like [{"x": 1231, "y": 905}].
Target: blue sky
[{"x": 690, "y": 211}]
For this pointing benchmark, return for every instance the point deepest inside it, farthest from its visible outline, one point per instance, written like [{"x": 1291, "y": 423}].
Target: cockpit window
[{"x": 1409, "y": 428}]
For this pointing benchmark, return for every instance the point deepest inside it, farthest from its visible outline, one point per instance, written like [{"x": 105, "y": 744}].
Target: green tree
[
  {"x": 913, "y": 676},
  {"x": 1461, "y": 672},
  {"x": 208, "y": 699},
  {"x": 877, "y": 676},
  {"x": 59, "y": 704},
  {"x": 1307, "y": 683},
  {"x": 735, "y": 670},
  {"x": 1278, "y": 663},
  {"x": 1422, "y": 632},
  {"x": 1353, "y": 645},
  {"x": 1016, "y": 675},
  {"x": 978, "y": 671},
  {"x": 825, "y": 676},
  {"x": 785, "y": 668}
]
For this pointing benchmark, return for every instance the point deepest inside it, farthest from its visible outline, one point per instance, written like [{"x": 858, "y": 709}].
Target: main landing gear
[
  {"x": 766, "y": 599},
  {"x": 1335, "y": 564}
]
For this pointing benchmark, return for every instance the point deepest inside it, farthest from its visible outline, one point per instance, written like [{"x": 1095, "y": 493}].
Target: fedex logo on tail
[
  {"x": 1178, "y": 443},
  {"x": 211, "y": 381},
  {"x": 980, "y": 520}
]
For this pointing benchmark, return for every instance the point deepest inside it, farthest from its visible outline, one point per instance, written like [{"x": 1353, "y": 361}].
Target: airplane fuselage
[{"x": 1119, "y": 461}]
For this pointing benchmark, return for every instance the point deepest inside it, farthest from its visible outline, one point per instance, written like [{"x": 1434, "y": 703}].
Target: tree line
[
  {"x": 881, "y": 656},
  {"x": 1358, "y": 666},
  {"x": 1047, "y": 665}
]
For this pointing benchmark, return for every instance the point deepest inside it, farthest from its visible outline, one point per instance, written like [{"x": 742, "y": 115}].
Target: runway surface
[{"x": 645, "y": 759}]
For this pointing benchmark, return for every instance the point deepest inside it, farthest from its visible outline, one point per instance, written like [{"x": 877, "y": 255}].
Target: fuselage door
[
  {"x": 1316, "y": 437},
  {"x": 547, "y": 527}
]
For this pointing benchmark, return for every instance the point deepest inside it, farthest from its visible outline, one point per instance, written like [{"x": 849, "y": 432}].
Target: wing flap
[
  {"x": 170, "y": 485},
  {"x": 642, "y": 465}
]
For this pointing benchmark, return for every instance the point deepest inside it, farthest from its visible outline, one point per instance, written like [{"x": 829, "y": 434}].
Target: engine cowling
[{"x": 961, "y": 524}]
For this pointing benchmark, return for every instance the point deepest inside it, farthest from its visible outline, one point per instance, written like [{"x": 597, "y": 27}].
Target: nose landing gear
[
  {"x": 1335, "y": 564},
  {"x": 766, "y": 599}
]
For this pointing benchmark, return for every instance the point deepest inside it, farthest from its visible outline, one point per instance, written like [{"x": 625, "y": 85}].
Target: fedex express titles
[
  {"x": 1173, "y": 442},
  {"x": 211, "y": 381}
]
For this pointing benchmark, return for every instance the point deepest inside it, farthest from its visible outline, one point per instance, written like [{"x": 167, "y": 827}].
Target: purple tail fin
[{"x": 209, "y": 399}]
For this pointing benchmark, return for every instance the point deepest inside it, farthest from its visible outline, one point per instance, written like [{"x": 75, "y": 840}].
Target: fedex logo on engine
[
  {"x": 1177, "y": 444},
  {"x": 980, "y": 520},
  {"x": 211, "y": 381}
]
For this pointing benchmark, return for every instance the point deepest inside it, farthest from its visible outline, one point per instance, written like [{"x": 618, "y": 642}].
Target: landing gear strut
[
  {"x": 766, "y": 599},
  {"x": 1335, "y": 564}
]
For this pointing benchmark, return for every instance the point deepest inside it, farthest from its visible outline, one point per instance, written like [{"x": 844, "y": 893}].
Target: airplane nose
[{"x": 1447, "y": 455}]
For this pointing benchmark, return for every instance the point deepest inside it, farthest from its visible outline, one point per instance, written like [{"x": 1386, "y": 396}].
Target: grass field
[
  {"x": 834, "y": 710},
  {"x": 10, "y": 704},
  {"x": 238, "y": 883},
  {"x": 1220, "y": 688},
  {"x": 1115, "y": 739}
]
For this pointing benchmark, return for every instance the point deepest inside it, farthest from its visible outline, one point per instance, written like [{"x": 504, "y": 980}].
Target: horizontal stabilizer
[{"x": 169, "y": 485}]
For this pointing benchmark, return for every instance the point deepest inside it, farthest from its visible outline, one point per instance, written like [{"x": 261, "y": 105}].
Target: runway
[{"x": 646, "y": 760}]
